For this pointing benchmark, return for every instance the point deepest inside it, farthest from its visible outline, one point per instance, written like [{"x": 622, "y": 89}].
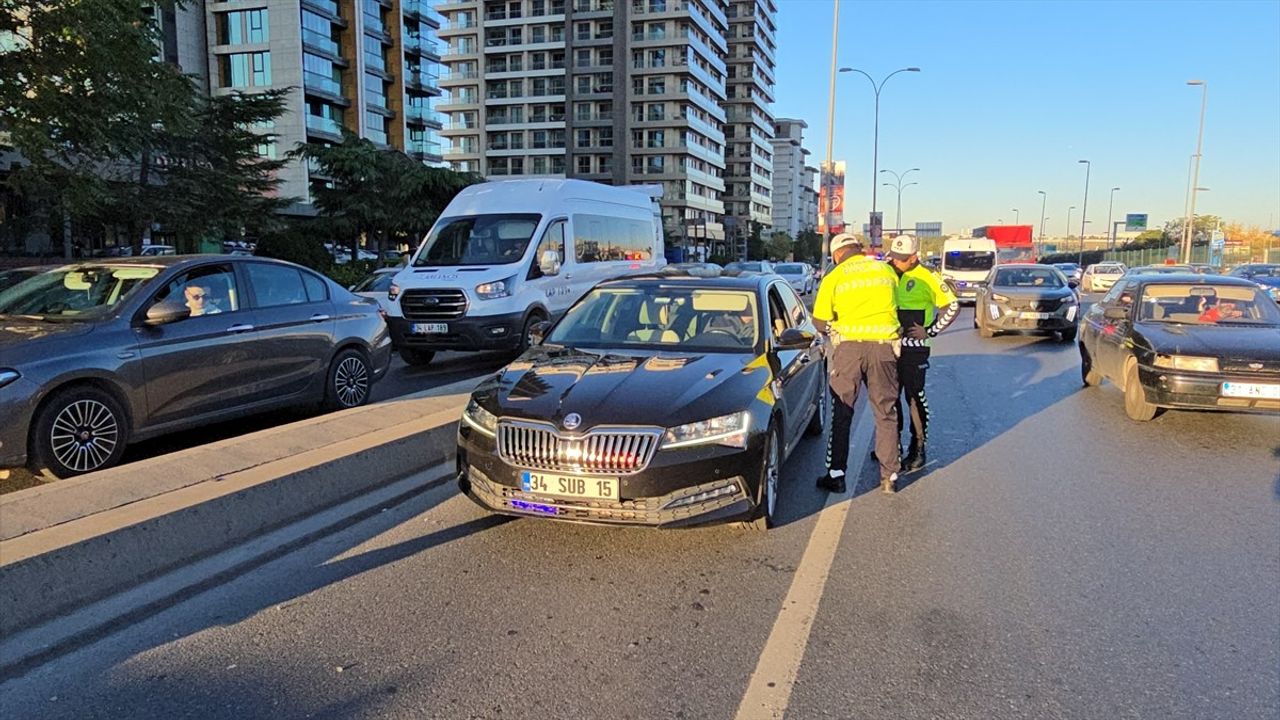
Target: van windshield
[
  {"x": 970, "y": 260},
  {"x": 498, "y": 239}
]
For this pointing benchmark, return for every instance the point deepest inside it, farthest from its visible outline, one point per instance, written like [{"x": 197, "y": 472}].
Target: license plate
[
  {"x": 1251, "y": 390},
  {"x": 1035, "y": 315},
  {"x": 429, "y": 328},
  {"x": 568, "y": 486}
]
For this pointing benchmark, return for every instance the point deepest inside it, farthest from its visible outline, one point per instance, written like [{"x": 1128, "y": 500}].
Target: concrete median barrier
[{"x": 71, "y": 543}]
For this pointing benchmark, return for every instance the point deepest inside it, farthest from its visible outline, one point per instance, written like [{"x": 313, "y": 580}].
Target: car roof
[
  {"x": 743, "y": 281},
  {"x": 1193, "y": 278}
]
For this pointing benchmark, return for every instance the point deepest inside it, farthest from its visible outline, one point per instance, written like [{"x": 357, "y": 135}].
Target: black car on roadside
[
  {"x": 96, "y": 355},
  {"x": 1026, "y": 298},
  {"x": 657, "y": 400},
  {"x": 1191, "y": 341}
]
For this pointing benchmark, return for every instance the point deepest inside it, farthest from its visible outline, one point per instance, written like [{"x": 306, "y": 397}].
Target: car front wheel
[
  {"x": 770, "y": 471},
  {"x": 79, "y": 430},
  {"x": 1135, "y": 399}
]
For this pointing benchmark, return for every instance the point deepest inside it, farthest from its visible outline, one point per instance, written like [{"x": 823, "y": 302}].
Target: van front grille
[{"x": 433, "y": 304}]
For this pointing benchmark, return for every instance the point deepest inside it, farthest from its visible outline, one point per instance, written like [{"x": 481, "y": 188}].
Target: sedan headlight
[
  {"x": 728, "y": 430},
  {"x": 1187, "y": 362},
  {"x": 482, "y": 420},
  {"x": 7, "y": 376},
  {"x": 393, "y": 292},
  {"x": 496, "y": 289}
]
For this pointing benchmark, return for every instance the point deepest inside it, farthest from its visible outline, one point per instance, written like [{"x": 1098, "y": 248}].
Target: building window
[
  {"x": 584, "y": 164},
  {"x": 657, "y": 86},
  {"x": 246, "y": 70},
  {"x": 242, "y": 27},
  {"x": 655, "y": 164},
  {"x": 606, "y": 137},
  {"x": 540, "y": 165},
  {"x": 657, "y": 111},
  {"x": 584, "y": 138},
  {"x": 375, "y": 128}
]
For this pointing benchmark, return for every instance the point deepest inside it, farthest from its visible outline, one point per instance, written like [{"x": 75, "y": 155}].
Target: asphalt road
[
  {"x": 401, "y": 379},
  {"x": 1054, "y": 560}
]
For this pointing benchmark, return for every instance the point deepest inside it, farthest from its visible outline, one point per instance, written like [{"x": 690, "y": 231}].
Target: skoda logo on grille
[{"x": 572, "y": 421}]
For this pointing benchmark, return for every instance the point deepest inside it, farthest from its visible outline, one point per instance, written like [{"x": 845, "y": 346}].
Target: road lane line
[{"x": 769, "y": 690}]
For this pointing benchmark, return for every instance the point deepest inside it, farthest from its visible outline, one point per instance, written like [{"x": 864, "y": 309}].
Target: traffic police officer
[
  {"x": 855, "y": 305},
  {"x": 926, "y": 306}
]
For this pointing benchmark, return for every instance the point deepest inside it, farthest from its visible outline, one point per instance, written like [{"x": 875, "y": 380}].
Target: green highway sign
[{"x": 1134, "y": 222}]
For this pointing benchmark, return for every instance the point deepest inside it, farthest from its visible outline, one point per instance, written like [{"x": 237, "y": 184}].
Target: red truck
[{"x": 1014, "y": 243}]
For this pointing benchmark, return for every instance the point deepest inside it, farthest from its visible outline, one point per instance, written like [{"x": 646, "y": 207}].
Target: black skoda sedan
[
  {"x": 1185, "y": 341},
  {"x": 659, "y": 400}
]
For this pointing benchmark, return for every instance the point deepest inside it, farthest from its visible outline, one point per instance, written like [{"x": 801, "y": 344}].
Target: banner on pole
[
  {"x": 831, "y": 198},
  {"x": 876, "y": 228}
]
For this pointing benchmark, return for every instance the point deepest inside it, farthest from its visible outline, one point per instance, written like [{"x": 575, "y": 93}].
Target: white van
[
  {"x": 966, "y": 263},
  {"x": 506, "y": 255}
]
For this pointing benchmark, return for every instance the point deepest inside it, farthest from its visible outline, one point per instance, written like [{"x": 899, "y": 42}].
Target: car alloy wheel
[
  {"x": 84, "y": 435},
  {"x": 818, "y": 423},
  {"x": 349, "y": 381},
  {"x": 769, "y": 478}
]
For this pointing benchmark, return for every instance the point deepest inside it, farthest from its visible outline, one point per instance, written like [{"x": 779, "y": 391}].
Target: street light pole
[
  {"x": 1084, "y": 211},
  {"x": 829, "y": 168},
  {"x": 898, "y": 184},
  {"x": 1044, "y": 197},
  {"x": 1017, "y": 216},
  {"x": 875, "y": 147},
  {"x": 1111, "y": 228},
  {"x": 1073, "y": 207},
  {"x": 1191, "y": 212}
]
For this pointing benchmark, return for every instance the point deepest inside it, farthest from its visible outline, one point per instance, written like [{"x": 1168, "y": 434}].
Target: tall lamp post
[
  {"x": 875, "y": 147},
  {"x": 1111, "y": 235},
  {"x": 1084, "y": 211},
  {"x": 1044, "y": 197},
  {"x": 1191, "y": 211},
  {"x": 831, "y": 122},
  {"x": 1073, "y": 207},
  {"x": 1017, "y": 216},
  {"x": 898, "y": 184}
]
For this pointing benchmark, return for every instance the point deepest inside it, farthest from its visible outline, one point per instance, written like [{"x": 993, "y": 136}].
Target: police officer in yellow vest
[
  {"x": 926, "y": 306},
  {"x": 855, "y": 305}
]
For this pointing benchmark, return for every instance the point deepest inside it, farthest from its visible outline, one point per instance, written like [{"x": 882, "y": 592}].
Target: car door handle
[
  {"x": 319, "y": 318},
  {"x": 568, "y": 276},
  {"x": 239, "y": 329}
]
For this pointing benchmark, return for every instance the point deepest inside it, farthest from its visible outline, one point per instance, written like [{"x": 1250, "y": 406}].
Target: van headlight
[
  {"x": 727, "y": 430},
  {"x": 1188, "y": 362},
  {"x": 482, "y": 420},
  {"x": 496, "y": 289}
]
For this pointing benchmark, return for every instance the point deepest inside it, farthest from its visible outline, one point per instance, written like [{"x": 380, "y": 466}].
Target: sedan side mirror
[
  {"x": 538, "y": 332},
  {"x": 1116, "y": 313},
  {"x": 795, "y": 339},
  {"x": 549, "y": 264},
  {"x": 163, "y": 313},
  {"x": 1073, "y": 284}
]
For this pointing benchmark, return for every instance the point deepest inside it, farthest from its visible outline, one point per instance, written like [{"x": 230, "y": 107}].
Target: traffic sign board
[{"x": 1135, "y": 222}]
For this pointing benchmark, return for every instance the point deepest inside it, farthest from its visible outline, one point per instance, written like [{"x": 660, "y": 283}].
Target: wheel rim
[
  {"x": 84, "y": 435},
  {"x": 771, "y": 478},
  {"x": 351, "y": 382}
]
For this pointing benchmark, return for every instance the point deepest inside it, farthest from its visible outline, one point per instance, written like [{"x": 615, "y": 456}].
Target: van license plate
[
  {"x": 566, "y": 486},
  {"x": 1251, "y": 390},
  {"x": 429, "y": 328}
]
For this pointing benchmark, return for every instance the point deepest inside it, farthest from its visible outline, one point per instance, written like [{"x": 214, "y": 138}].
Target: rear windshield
[{"x": 790, "y": 269}]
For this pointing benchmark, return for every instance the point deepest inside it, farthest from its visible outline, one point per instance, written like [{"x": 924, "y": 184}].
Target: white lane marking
[{"x": 769, "y": 690}]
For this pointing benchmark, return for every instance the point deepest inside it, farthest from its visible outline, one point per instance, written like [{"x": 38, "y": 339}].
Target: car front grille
[
  {"x": 1245, "y": 366},
  {"x": 1035, "y": 305},
  {"x": 604, "y": 451},
  {"x": 433, "y": 304}
]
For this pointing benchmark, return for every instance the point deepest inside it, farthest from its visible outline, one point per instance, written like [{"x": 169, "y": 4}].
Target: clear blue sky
[{"x": 1013, "y": 93}]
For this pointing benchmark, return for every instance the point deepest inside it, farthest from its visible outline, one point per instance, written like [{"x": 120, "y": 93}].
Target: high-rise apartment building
[
  {"x": 366, "y": 66},
  {"x": 809, "y": 199},
  {"x": 617, "y": 91},
  {"x": 790, "y": 214},
  {"x": 749, "y": 173}
]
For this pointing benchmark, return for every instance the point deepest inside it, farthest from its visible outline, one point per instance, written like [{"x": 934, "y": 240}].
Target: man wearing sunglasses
[{"x": 199, "y": 302}]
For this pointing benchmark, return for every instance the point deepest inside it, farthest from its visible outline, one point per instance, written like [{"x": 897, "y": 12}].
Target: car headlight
[
  {"x": 496, "y": 289},
  {"x": 393, "y": 292},
  {"x": 482, "y": 420},
  {"x": 7, "y": 376},
  {"x": 1187, "y": 362},
  {"x": 728, "y": 430},
  {"x": 997, "y": 297}
]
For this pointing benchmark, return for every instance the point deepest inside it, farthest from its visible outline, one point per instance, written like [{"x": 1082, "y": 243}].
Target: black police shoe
[
  {"x": 915, "y": 461},
  {"x": 831, "y": 484}
]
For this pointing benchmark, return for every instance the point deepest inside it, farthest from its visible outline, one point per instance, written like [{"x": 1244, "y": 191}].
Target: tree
[
  {"x": 1201, "y": 229},
  {"x": 779, "y": 246},
  {"x": 1256, "y": 240},
  {"x": 379, "y": 194},
  {"x": 808, "y": 246},
  {"x": 756, "y": 249}
]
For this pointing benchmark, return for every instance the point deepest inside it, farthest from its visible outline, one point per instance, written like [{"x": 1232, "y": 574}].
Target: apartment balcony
[
  {"x": 423, "y": 11},
  {"x": 329, "y": 7},
  {"x": 420, "y": 45},
  {"x": 324, "y": 125},
  {"x": 459, "y": 25},
  {"x": 327, "y": 87},
  {"x": 424, "y": 116},
  {"x": 324, "y": 44},
  {"x": 424, "y": 150},
  {"x": 423, "y": 80}
]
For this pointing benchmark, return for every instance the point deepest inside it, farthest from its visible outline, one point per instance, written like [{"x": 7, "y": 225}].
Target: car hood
[
  {"x": 613, "y": 387},
  {"x": 1257, "y": 343},
  {"x": 23, "y": 338}
]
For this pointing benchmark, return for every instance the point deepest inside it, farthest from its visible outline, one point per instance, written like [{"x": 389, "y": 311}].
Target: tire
[
  {"x": 417, "y": 358},
  {"x": 983, "y": 330},
  {"x": 1068, "y": 336},
  {"x": 818, "y": 423},
  {"x": 1135, "y": 401},
  {"x": 349, "y": 382},
  {"x": 525, "y": 340},
  {"x": 770, "y": 472},
  {"x": 78, "y": 430},
  {"x": 1088, "y": 374}
]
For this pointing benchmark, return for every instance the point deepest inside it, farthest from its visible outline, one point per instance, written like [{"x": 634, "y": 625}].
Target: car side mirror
[
  {"x": 1073, "y": 283},
  {"x": 1116, "y": 313},
  {"x": 795, "y": 339},
  {"x": 538, "y": 332},
  {"x": 549, "y": 264},
  {"x": 163, "y": 313}
]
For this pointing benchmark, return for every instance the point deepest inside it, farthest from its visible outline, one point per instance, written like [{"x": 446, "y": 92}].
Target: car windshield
[
  {"x": 9, "y": 278},
  {"x": 1028, "y": 277},
  {"x": 790, "y": 269},
  {"x": 1207, "y": 304},
  {"x": 75, "y": 292},
  {"x": 681, "y": 319},
  {"x": 745, "y": 266},
  {"x": 970, "y": 260},
  {"x": 478, "y": 240}
]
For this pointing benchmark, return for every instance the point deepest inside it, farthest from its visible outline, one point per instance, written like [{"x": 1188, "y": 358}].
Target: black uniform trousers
[
  {"x": 912, "y": 366},
  {"x": 854, "y": 364}
]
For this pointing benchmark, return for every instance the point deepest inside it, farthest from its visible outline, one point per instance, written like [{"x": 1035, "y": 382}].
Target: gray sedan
[
  {"x": 99, "y": 354},
  {"x": 1027, "y": 298}
]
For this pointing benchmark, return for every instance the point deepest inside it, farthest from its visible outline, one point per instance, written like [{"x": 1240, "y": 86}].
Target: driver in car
[
  {"x": 741, "y": 325},
  {"x": 198, "y": 300}
]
